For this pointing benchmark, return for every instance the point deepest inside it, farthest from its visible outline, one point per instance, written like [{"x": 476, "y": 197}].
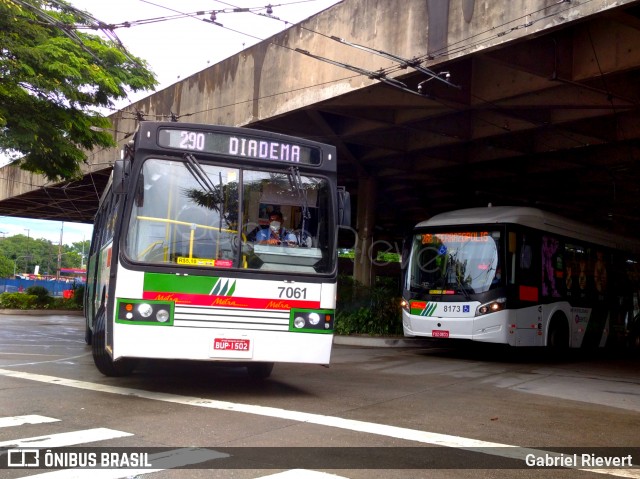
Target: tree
[
  {"x": 6, "y": 267},
  {"x": 52, "y": 79},
  {"x": 23, "y": 254}
]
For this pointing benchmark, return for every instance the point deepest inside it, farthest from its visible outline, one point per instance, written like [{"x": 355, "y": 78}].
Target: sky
[{"x": 175, "y": 46}]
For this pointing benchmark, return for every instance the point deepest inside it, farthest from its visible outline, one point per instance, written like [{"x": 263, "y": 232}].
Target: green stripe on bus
[{"x": 171, "y": 283}]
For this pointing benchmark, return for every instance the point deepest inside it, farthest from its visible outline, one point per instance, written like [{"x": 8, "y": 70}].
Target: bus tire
[
  {"x": 259, "y": 371},
  {"x": 558, "y": 337},
  {"x": 102, "y": 360},
  {"x": 88, "y": 335}
]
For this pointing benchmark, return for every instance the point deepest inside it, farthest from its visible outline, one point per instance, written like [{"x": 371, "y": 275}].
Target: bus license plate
[
  {"x": 439, "y": 333},
  {"x": 229, "y": 344},
  {"x": 238, "y": 348}
]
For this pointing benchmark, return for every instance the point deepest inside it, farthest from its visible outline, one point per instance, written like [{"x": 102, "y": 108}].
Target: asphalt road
[{"x": 436, "y": 411}]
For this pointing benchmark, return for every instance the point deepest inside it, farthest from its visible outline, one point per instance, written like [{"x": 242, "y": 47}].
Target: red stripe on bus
[
  {"x": 529, "y": 293},
  {"x": 231, "y": 301}
]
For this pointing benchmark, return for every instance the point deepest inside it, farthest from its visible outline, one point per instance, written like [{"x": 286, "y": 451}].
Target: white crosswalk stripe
[
  {"x": 302, "y": 474},
  {"x": 21, "y": 420},
  {"x": 161, "y": 461},
  {"x": 64, "y": 439}
]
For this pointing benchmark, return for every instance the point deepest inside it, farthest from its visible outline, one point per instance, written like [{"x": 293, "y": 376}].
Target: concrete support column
[{"x": 362, "y": 268}]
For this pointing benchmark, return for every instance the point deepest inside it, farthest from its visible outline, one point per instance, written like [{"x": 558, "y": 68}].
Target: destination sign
[
  {"x": 477, "y": 236},
  {"x": 241, "y": 146}
]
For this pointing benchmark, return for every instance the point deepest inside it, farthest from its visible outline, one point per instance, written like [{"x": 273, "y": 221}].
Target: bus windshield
[
  {"x": 466, "y": 262},
  {"x": 193, "y": 214}
]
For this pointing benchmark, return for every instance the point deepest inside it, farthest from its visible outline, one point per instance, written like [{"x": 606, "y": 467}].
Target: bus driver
[{"x": 276, "y": 234}]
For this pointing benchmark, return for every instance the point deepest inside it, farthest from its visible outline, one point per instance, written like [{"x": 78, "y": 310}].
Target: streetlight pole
[
  {"x": 28, "y": 238},
  {"x": 60, "y": 252}
]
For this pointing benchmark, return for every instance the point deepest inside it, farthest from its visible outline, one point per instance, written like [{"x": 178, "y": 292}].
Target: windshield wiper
[{"x": 196, "y": 170}]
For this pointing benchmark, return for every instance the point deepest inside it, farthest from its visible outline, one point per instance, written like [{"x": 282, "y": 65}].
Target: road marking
[
  {"x": 424, "y": 437},
  {"x": 21, "y": 420},
  {"x": 58, "y": 360},
  {"x": 301, "y": 474},
  {"x": 63, "y": 439}
]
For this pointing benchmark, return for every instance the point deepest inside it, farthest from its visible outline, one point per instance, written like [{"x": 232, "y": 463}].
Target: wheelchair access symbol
[{"x": 23, "y": 458}]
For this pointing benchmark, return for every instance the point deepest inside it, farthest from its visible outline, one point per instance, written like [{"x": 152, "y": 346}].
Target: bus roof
[{"x": 534, "y": 218}]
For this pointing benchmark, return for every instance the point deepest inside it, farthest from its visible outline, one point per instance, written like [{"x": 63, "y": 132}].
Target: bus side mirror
[
  {"x": 344, "y": 207},
  {"x": 121, "y": 173}
]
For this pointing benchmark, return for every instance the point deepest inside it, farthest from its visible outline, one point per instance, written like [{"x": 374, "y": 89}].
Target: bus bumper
[
  {"x": 490, "y": 328},
  {"x": 211, "y": 344}
]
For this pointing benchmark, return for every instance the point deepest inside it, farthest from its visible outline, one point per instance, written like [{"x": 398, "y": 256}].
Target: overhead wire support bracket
[
  {"x": 379, "y": 75},
  {"x": 404, "y": 63}
]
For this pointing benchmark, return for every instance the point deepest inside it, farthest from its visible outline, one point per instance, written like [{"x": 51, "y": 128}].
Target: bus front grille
[{"x": 228, "y": 318}]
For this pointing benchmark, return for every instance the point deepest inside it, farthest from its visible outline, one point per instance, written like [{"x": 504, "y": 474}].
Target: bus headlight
[
  {"x": 491, "y": 307},
  {"x": 148, "y": 312},
  {"x": 311, "y": 321},
  {"x": 162, "y": 315},
  {"x": 404, "y": 304},
  {"x": 145, "y": 310}
]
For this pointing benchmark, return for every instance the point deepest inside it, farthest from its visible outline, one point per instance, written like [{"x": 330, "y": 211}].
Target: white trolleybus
[
  {"x": 518, "y": 276},
  {"x": 177, "y": 269}
]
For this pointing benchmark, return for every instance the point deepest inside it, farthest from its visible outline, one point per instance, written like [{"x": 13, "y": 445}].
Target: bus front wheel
[{"x": 101, "y": 358}]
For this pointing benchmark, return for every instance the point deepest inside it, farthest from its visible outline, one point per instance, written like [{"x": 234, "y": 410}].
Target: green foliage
[
  {"x": 23, "y": 253},
  {"x": 41, "y": 294},
  {"x": 52, "y": 76},
  {"x": 77, "y": 302},
  {"x": 6, "y": 267},
  {"x": 25, "y": 301},
  {"x": 67, "y": 304},
  {"x": 362, "y": 310},
  {"x": 18, "y": 301}
]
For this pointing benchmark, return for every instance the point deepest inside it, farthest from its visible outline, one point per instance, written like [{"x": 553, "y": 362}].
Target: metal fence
[{"x": 56, "y": 288}]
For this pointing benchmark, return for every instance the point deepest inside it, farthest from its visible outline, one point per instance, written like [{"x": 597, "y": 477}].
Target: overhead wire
[{"x": 379, "y": 74}]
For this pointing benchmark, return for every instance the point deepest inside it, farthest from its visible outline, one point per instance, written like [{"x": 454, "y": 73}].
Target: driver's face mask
[{"x": 275, "y": 226}]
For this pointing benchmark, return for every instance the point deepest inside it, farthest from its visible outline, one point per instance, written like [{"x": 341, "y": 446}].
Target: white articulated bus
[
  {"x": 176, "y": 269},
  {"x": 519, "y": 276}
]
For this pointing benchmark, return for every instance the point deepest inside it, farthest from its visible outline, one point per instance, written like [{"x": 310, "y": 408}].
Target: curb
[
  {"x": 40, "y": 312},
  {"x": 381, "y": 342},
  {"x": 363, "y": 341}
]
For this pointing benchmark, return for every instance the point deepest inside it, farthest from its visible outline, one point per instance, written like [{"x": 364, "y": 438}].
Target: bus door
[{"x": 525, "y": 281}]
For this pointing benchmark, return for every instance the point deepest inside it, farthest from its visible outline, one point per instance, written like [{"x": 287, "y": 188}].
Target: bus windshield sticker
[{"x": 220, "y": 263}]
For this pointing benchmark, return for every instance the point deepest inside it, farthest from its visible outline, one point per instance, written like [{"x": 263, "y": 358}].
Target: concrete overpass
[{"x": 546, "y": 113}]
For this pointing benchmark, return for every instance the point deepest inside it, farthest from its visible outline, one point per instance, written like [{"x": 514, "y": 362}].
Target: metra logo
[
  {"x": 223, "y": 288},
  {"x": 227, "y": 302},
  {"x": 429, "y": 309},
  {"x": 167, "y": 297},
  {"x": 278, "y": 305}
]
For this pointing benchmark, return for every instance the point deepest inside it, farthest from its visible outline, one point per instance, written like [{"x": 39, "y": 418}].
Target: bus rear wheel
[
  {"x": 101, "y": 358},
  {"x": 88, "y": 335},
  {"x": 558, "y": 337},
  {"x": 259, "y": 370}
]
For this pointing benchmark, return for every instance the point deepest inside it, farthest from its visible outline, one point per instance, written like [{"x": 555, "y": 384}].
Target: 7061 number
[{"x": 292, "y": 293}]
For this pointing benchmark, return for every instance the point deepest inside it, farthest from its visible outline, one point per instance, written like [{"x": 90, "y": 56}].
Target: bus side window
[
  {"x": 550, "y": 258},
  {"x": 529, "y": 263},
  {"x": 512, "y": 257}
]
